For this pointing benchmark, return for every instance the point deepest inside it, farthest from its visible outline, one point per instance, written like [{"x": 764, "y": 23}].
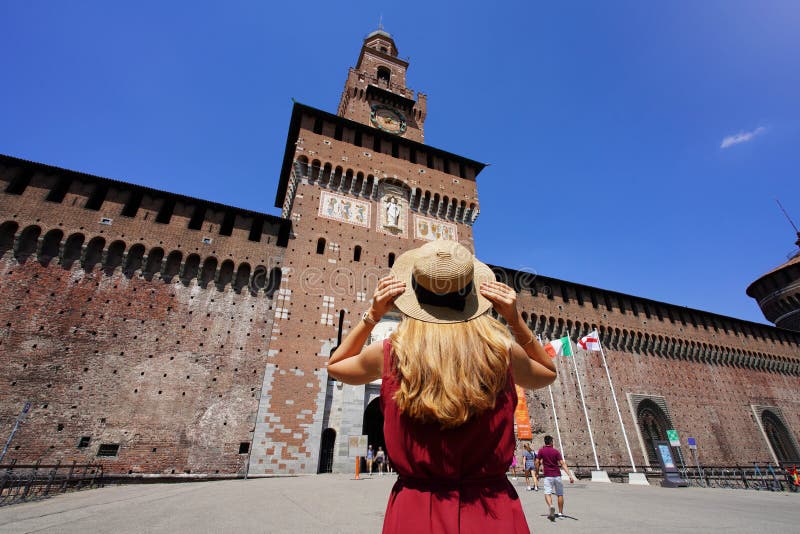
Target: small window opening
[
  {"x": 108, "y": 449},
  {"x": 84, "y": 442},
  {"x": 58, "y": 193},
  {"x": 395, "y": 150},
  {"x": 97, "y": 197},
  {"x": 165, "y": 213},
  {"x": 227, "y": 223},
  {"x": 391, "y": 259},
  {"x": 357, "y": 253},
  {"x": 376, "y": 144},
  {"x": 318, "y": 126},
  {"x": 132, "y": 205},
  {"x": 19, "y": 183},
  {"x": 321, "y": 245},
  {"x": 198, "y": 216},
  {"x": 337, "y": 133},
  {"x": 357, "y": 140},
  {"x": 384, "y": 75},
  {"x": 256, "y": 230},
  {"x": 244, "y": 447}
]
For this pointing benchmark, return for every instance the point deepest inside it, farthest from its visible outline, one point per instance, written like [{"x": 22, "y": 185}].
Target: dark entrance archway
[
  {"x": 653, "y": 424},
  {"x": 779, "y": 438},
  {"x": 373, "y": 427},
  {"x": 326, "y": 451}
]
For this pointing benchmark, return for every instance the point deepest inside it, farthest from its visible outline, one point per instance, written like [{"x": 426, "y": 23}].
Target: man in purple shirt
[{"x": 551, "y": 462}]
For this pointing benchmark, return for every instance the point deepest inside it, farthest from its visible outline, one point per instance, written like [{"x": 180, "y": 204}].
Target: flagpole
[
  {"x": 558, "y": 432},
  {"x": 583, "y": 401},
  {"x": 616, "y": 404},
  {"x": 553, "y": 404}
]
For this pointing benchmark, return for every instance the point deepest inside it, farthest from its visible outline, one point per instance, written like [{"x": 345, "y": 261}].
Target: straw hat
[{"x": 442, "y": 281}]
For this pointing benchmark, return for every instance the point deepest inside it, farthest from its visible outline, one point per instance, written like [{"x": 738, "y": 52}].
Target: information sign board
[
  {"x": 357, "y": 446},
  {"x": 672, "y": 436},
  {"x": 692, "y": 443}
]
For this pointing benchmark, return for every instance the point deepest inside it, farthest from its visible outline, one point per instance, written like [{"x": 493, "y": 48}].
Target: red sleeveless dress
[{"x": 450, "y": 480}]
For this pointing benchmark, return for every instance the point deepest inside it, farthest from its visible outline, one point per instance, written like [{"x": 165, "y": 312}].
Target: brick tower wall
[
  {"x": 131, "y": 330},
  {"x": 321, "y": 284}
]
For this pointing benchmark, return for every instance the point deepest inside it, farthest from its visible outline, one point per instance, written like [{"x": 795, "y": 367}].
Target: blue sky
[{"x": 604, "y": 123}]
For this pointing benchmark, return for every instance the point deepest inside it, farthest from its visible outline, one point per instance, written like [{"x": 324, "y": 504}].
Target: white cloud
[{"x": 741, "y": 137}]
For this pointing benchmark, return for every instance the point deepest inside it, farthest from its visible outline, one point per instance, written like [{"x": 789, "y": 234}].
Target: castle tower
[
  {"x": 360, "y": 188},
  {"x": 778, "y": 293},
  {"x": 375, "y": 92}
]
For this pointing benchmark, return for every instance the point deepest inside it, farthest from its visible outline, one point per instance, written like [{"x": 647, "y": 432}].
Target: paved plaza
[{"x": 337, "y": 503}]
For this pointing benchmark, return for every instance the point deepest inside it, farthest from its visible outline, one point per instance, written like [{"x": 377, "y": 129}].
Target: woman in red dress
[{"x": 447, "y": 390}]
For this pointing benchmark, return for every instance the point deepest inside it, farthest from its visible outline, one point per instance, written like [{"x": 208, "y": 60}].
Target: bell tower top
[{"x": 375, "y": 92}]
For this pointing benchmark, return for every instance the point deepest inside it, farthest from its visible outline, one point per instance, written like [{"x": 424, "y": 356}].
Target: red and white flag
[{"x": 590, "y": 341}]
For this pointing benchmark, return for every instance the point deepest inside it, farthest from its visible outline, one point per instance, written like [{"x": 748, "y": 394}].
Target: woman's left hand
[{"x": 502, "y": 297}]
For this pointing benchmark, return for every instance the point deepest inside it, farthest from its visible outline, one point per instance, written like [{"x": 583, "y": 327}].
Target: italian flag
[{"x": 559, "y": 347}]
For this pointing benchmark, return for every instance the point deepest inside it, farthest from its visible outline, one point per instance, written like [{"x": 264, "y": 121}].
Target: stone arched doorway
[
  {"x": 373, "y": 426},
  {"x": 326, "y": 451},
  {"x": 653, "y": 425},
  {"x": 779, "y": 438}
]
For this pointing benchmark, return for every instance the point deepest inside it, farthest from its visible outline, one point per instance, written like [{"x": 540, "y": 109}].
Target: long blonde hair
[{"x": 450, "y": 372}]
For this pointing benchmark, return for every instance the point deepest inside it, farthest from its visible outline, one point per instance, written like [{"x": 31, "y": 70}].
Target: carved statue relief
[{"x": 393, "y": 210}]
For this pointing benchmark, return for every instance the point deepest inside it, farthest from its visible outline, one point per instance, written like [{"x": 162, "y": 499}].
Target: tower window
[
  {"x": 384, "y": 74},
  {"x": 391, "y": 259},
  {"x": 357, "y": 253},
  {"x": 321, "y": 245},
  {"x": 318, "y": 126}
]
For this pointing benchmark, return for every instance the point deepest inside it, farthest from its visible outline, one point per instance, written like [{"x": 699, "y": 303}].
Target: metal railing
[
  {"x": 26, "y": 482},
  {"x": 763, "y": 476}
]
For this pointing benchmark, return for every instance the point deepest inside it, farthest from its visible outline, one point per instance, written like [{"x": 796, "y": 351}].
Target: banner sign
[{"x": 521, "y": 416}]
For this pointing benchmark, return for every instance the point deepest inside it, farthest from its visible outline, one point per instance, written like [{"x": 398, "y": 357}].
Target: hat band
[{"x": 455, "y": 300}]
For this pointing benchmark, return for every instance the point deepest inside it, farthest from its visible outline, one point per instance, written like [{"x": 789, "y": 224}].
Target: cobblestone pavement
[{"x": 337, "y": 503}]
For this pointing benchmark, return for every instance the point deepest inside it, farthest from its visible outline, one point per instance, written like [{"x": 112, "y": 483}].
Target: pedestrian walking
[
  {"x": 447, "y": 389},
  {"x": 513, "y": 467},
  {"x": 370, "y": 458},
  {"x": 529, "y": 458},
  {"x": 551, "y": 462},
  {"x": 380, "y": 457}
]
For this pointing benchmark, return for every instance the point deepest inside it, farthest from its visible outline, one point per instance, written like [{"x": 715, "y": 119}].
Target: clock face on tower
[{"x": 388, "y": 119}]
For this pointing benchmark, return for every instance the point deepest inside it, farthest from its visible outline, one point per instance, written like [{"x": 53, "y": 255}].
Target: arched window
[
  {"x": 779, "y": 438},
  {"x": 274, "y": 282},
  {"x": 134, "y": 260},
  {"x": 50, "y": 246},
  {"x": 114, "y": 256},
  {"x": 391, "y": 259},
  {"x": 357, "y": 253},
  {"x": 94, "y": 251},
  {"x": 190, "y": 268},
  {"x": 72, "y": 250},
  {"x": 27, "y": 242},
  {"x": 153, "y": 265},
  {"x": 7, "y": 231},
  {"x": 653, "y": 424},
  {"x": 242, "y": 277},
  {"x": 321, "y": 245},
  {"x": 173, "y": 265},
  {"x": 384, "y": 75}
]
